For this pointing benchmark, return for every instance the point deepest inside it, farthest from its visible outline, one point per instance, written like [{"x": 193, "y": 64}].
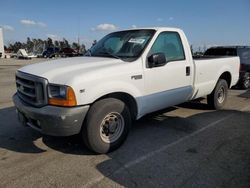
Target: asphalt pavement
[{"x": 183, "y": 146}]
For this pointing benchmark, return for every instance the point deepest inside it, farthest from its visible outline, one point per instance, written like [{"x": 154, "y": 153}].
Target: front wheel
[
  {"x": 217, "y": 99},
  {"x": 107, "y": 125}
]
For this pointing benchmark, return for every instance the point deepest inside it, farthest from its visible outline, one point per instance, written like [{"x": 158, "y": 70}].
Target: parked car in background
[
  {"x": 68, "y": 52},
  {"x": 50, "y": 52},
  {"x": 243, "y": 52},
  {"x": 22, "y": 54}
]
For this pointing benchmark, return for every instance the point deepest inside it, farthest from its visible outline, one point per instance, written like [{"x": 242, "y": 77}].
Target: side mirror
[{"x": 157, "y": 60}]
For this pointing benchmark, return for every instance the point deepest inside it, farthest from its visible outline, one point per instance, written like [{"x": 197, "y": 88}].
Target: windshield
[{"x": 125, "y": 45}]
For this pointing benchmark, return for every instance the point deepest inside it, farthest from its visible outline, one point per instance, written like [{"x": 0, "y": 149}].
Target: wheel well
[
  {"x": 127, "y": 99},
  {"x": 226, "y": 76}
]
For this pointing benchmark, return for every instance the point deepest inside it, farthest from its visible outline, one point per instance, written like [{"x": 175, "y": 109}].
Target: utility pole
[{"x": 1, "y": 43}]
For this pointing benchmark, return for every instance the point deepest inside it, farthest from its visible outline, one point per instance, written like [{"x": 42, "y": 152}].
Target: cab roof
[{"x": 153, "y": 28}]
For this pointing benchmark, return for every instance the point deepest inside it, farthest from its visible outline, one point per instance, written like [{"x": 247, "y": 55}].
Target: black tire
[
  {"x": 245, "y": 84},
  {"x": 217, "y": 99},
  {"x": 96, "y": 133}
]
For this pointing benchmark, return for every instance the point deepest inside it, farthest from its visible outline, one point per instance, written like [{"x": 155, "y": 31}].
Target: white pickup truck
[{"x": 126, "y": 75}]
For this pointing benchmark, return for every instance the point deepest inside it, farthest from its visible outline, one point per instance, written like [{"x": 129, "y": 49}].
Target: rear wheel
[
  {"x": 107, "y": 125},
  {"x": 246, "y": 81},
  {"x": 218, "y": 98}
]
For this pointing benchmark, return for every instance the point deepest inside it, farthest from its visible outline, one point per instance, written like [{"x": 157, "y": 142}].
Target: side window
[{"x": 170, "y": 44}]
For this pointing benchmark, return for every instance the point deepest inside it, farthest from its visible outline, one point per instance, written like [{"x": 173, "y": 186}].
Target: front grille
[{"x": 31, "y": 89}]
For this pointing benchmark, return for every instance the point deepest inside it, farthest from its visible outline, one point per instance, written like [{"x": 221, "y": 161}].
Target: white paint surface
[{"x": 100, "y": 76}]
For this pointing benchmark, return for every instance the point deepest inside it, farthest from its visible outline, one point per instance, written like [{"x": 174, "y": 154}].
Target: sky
[{"x": 213, "y": 22}]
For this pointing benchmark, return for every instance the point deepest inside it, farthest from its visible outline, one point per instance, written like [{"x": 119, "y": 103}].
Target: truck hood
[{"x": 61, "y": 70}]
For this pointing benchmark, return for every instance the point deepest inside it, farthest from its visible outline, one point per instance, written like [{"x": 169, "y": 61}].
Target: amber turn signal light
[{"x": 68, "y": 102}]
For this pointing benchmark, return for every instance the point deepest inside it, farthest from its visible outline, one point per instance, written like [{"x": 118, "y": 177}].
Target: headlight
[
  {"x": 61, "y": 95},
  {"x": 57, "y": 91}
]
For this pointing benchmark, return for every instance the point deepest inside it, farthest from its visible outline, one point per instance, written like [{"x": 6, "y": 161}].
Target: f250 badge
[{"x": 136, "y": 77}]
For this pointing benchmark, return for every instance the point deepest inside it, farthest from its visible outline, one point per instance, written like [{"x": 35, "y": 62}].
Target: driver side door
[{"x": 169, "y": 84}]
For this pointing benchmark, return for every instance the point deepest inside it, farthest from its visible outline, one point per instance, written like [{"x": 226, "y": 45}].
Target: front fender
[{"x": 96, "y": 91}]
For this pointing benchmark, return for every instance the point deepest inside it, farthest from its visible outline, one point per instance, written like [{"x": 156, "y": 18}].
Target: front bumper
[{"x": 51, "y": 120}]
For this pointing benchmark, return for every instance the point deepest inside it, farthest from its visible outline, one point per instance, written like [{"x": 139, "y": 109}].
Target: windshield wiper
[{"x": 110, "y": 54}]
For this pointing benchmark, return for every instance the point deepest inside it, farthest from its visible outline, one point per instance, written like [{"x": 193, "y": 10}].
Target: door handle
[{"x": 187, "y": 71}]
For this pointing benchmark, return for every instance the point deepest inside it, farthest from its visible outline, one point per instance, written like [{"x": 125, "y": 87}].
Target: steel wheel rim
[
  {"x": 247, "y": 81},
  {"x": 221, "y": 95},
  {"x": 112, "y": 127}
]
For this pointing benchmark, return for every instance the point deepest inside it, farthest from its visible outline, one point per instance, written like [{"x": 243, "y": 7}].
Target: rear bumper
[{"x": 51, "y": 120}]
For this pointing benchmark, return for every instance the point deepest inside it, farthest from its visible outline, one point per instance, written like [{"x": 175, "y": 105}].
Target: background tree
[
  {"x": 37, "y": 45},
  {"x": 40, "y": 46},
  {"x": 83, "y": 49},
  {"x": 56, "y": 43},
  {"x": 76, "y": 46},
  {"x": 29, "y": 45},
  {"x": 66, "y": 43},
  {"x": 50, "y": 43},
  {"x": 16, "y": 46},
  {"x": 61, "y": 44}
]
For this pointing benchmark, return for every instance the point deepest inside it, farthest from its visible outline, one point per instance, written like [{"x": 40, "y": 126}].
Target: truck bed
[
  {"x": 208, "y": 72},
  {"x": 209, "y": 57}
]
